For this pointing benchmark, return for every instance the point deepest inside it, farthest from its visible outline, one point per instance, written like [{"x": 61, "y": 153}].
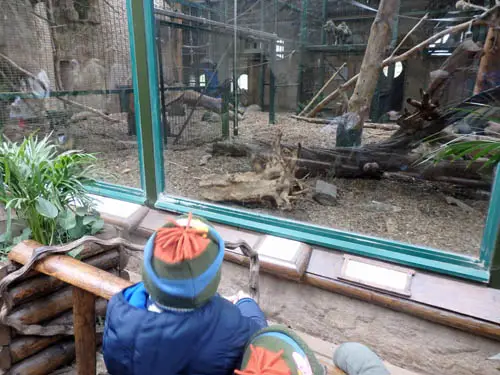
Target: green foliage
[
  {"x": 460, "y": 148},
  {"x": 43, "y": 187},
  {"x": 472, "y": 150}
]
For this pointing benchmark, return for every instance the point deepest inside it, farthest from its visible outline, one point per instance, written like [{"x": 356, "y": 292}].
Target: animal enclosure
[{"x": 253, "y": 104}]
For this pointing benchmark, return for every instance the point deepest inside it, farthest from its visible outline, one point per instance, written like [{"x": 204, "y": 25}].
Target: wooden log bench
[{"x": 89, "y": 283}]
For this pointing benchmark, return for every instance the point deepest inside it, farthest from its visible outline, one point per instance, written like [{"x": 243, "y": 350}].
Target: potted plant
[{"x": 43, "y": 193}]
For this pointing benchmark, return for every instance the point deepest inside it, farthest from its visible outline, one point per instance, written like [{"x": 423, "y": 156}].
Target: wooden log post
[
  {"x": 23, "y": 347},
  {"x": 85, "y": 336},
  {"x": 488, "y": 75},
  {"x": 89, "y": 282}
]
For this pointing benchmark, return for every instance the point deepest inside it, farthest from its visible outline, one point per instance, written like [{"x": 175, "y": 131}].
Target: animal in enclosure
[
  {"x": 64, "y": 142},
  {"x": 337, "y": 34}
]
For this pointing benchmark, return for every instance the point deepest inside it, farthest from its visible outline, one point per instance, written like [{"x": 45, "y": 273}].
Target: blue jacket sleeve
[{"x": 250, "y": 310}]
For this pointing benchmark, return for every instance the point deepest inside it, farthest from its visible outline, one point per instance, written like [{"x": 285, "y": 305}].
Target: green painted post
[
  {"x": 145, "y": 80},
  {"x": 262, "y": 74},
  {"x": 226, "y": 97},
  {"x": 495, "y": 265},
  {"x": 302, "y": 44},
  {"x": 323, "y": 42},
  {"x": 272, "y": 85},
  {"x": 490, "y": 246},
  {"x": 235, "y": 69}
]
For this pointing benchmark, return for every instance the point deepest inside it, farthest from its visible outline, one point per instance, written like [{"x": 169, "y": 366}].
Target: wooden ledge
[{"x": 124, "y": 215}]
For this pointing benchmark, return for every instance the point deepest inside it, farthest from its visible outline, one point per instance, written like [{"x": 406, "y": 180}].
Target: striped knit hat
[
  {"x": 276, "y": 350},
  {"x": 182, "y": 262}
]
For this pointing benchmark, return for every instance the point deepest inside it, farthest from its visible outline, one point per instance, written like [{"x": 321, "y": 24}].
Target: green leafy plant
[
  {"x": 46, "y": 191},
  {"x": 472, "y": 150}
]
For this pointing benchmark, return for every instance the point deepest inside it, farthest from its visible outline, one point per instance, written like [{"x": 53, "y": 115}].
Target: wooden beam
[
  {"x": 43, "y": 285},
  {"x": 490, "y": 62},
  {"x": 71, "y": 271},
  {"x": 85, "y": 336}
]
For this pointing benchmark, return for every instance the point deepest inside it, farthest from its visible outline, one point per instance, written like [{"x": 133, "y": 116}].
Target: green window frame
[{"x": 484, "y": 269}]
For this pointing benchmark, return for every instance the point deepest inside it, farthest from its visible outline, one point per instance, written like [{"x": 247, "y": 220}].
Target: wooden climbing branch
[
  {"x": 417, "y": 25},
  {"x": 311, "y": 102},
  {"x": 481, "y": 20},
  {"x": 90, "y": 109},
  {"x": 389, "y": 127}
]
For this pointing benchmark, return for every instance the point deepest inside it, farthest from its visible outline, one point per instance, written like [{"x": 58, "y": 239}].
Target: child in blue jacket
[{"x": 174, "y": 322}]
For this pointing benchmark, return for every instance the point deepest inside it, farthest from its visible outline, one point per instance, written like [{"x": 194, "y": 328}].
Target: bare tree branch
[
  {"x": 480, "y": 20},
  {"x": 408, "y": 35}
]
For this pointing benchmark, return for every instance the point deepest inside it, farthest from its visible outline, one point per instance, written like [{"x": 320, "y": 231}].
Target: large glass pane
[
  {"x": 65, "y": 70},
  {"x": 281, "y": 57}
]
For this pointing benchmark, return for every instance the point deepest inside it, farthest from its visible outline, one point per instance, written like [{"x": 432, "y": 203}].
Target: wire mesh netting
[
  {"x": 65, "y": 71},
  {"x": 197, "y": 68}
]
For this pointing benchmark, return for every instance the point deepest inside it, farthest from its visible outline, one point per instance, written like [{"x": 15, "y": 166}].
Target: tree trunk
[
  {"x": 376, "y": 51},
  {"x": 488, "y": 75}
]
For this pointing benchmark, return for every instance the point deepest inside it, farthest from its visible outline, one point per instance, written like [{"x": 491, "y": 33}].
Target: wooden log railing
[{"x": 88, "y": 283}]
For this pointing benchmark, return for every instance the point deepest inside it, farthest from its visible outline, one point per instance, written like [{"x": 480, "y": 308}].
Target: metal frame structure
[{"x": 485, "y": 269}]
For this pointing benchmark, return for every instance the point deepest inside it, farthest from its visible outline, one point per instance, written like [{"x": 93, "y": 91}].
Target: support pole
[
  {"x": 490, "y": 247},
  {"x": 235, "y": 68},
  {"x": 146, "y": 97},
  {"x": 302, "y": 42},
  {"x": 85, "y": 336},
  {"x": 262, "y": 68},
  {"x": 165, "y": 128},
  {"x": 272, "y": 85},
  {"x": 322, "y": 70}
]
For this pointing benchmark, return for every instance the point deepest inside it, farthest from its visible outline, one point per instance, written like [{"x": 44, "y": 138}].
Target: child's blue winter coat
[{"x": 206, "y": 341}]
